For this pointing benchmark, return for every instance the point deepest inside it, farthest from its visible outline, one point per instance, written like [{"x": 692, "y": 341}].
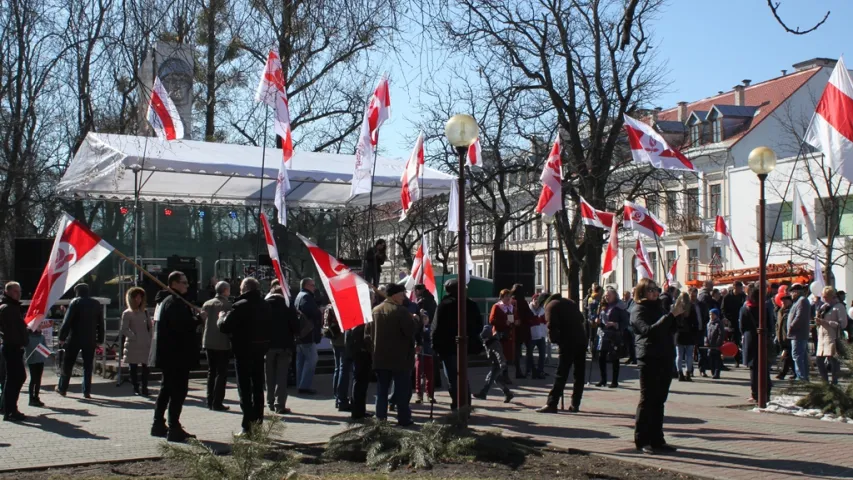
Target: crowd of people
[{"x": 411, "y": 342}]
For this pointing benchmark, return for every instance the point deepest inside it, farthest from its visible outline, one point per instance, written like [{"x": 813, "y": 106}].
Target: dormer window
[
  {"x": 717, "y": 130},
  {"x": 698, "y": 131},
  {"x": 696, "y": 134}
]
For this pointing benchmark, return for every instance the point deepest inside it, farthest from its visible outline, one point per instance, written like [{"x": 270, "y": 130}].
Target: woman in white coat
[
  {"x": 136, "y": 329},
  {"x": 831, "y": 321}
]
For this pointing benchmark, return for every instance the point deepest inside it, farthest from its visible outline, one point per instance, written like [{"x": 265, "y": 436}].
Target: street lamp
[
  {"x": 762, "y": 161},
  {"x": 461, "y": 131}
]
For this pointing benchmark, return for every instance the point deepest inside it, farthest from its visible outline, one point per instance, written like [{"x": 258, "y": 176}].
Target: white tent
[{"x": 223, "y": 174}]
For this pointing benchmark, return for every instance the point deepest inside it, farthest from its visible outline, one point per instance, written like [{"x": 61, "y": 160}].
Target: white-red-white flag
[
  {"x": 639, "y": 219},
  {"x": 724, "y": 235},
  {"x": 644, "y": 265},
  {"x": 670, "y": 275},
  {"x": 831, "y": 130},
  {"x": 43, "y": 351},
  {"x": 551, "y": 198},
  {"x": 163, "y": 114},
  {"x": 422, "y": 271},
  {"x": 818, "y": 274},
  {"x": 802, "y": 217},
  {"x": 377, "y": 111},
  {"x": 648, "y": 146},
  {"x": 475, "y": 154},
  {"x": 349, "y": 293},
  {"x": 593, "y": 217},
  {"x": 612, "y": 251},
  {"x": 414, "y": 167},
  {"x": 272, "y": 90},
  {"x": 272, "y": 249},
  {"x": 76, "y": 251}
]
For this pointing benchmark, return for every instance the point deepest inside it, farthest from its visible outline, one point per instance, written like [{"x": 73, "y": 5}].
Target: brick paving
[{"x": 716, "y": 441}]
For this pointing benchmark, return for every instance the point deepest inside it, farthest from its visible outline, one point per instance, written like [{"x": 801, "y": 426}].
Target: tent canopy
[{"x": 193, "y": 172}]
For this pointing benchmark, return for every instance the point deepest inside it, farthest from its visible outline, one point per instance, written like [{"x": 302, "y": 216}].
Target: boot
[
  {"x": 159, "y": 429},
  {"x": 548, "y": 409},
  {"x": 420, "y": 399},
  {"x": 508, "y": 396},
  {"x": 680, "y": 376},
  {"x": 136, "y": 390},
  {"x": 481, "y": 395},
  {"x": 688, "y": 377},
  {"x": 178, "y": 434}
]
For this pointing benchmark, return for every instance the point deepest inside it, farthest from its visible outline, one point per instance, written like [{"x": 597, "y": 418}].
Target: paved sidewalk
[{"x": 716, "y": 441}]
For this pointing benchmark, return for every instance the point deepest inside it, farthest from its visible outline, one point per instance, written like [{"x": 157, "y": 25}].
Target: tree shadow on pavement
[
  {"x": 718, "y": 435},
  {"x": 528, "y": 428},
  {"x": 669, "y": 419},
  {"x": 77, "y": 412},
  {"x": 47, "y": 423}
]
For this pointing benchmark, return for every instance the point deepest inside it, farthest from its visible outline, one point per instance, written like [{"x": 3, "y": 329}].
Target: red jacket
[{"x": 498, "y": 321}]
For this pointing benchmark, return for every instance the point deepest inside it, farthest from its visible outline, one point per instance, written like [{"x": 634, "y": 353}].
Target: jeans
[
  {"x": 278, "y": 364},
  {"x": 217, "y": 376},
  {"x": 424, "y": 369},
  {"x": 173, "y": 392},
  {"x": 306, "y": 361},
  {"x": 361, "y": 381},
  {"x": 36, "y": 370},
  {"x": 401, "y": 397},
  {"x": 68, "y": 367},
  {"x": 16, "y": 374},
  {"x": 800, "y": 353},
  {"x": 568, "y": 360},
  {"x": 684, "y": 354},
  {"x": 497, "y": 372},
  {"x": 655, "y": 380},
  {"x": 250, "y": 386},
  {"x": 825, "y": 363},
  {"x": 539, "y": 345},
  {"x": 340, "y": 380},
  {"x": 715, "y": 361}
]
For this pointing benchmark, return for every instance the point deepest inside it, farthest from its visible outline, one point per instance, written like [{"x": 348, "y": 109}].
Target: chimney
[
  {"x": 682, "y": 112},
  {"x": 655, "y": 113},
  {"x": 720, "y": 92},
  {"x": 746, "y": 82},
  {"x": 784, "y": 72},
  {"x": 739, "y": 95}
]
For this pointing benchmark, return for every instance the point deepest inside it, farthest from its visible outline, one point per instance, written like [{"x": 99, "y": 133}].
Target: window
[
  {"x": 778, "y": 222},
  {"x": 670, "y": 259},
  {"x": 715, "y": 200},
  {"x": 671, "y": 205},
  {"x": 653, "y": 263},
  {"x": 692, "y": 263},
  {"x": 526, "y": 231},
  {"x": 789, "y": 230},
  {"x": 635, "y": 276},
  {"x": 538, "y": 229},
  {"x": 696, "y": 134},
  {"x": 717, "y": 130},
  {"x": 479, "y": 269},
  {"x": 539, "y": 276},
  {"x": 692, "y": 203},
  {"x": 652, "y": 203},
  {"x": 716, "y": 259}
]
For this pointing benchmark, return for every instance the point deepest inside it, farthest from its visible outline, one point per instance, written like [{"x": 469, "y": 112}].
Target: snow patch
[{"x": 787, "y": 405}]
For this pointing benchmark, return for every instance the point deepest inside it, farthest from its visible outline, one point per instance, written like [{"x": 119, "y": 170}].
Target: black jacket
[
  {"x": 731, "y": 309},
  {"x": 83, "y": 326},
  {"x": 174, "y": 343},
  {"x": 249, "y": 324},
  {"x": 687, "y": 327},
  {"x": 445, "y": 327},
  {"x": 12, "y": 326},
  {"x": 566, "y": 326},
  {"x": 653, "y": 332},
  {"x": 306, "y": 303},
  {"x": 427, "y": 302},
  {"x": 355, "y": 343},
  {"x": 285, "y": 323}
]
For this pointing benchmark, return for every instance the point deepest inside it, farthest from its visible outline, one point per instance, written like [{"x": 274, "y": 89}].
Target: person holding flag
[
  {"x": 36, "y": 352},
  {"x": 81, "y": 332},
  {"x": 15, "y": 338}
]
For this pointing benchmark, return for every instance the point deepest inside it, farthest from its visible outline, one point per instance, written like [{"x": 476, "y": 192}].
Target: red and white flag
[
  {"x": 422, "y": 271},
  {"x": 272, "y": 249},
  {"x": 43, "y": 351},
  {"x": 272, "y": 90},
  {"x": 453, "y": 225},
  {"x": 722, "y": 233},
  {"x": 551, "y": 198},
  {"x": 377, "y": 111},
  {"x": 593, "y": 217},
  {"x": 670, "y": 275},
  {"x": 831, "y": 130},
  {"x": 612, "y": 251},
  {"x": 163, "y": 114},
  {"x": 644, "y": 265},
  {"x": 76, "y": 251},
  {"x": 349, "y": 293},
  {"x": 414, "y": 167},
  {"x": 637, "y": 218},
  {"x": 802, "y": 217},
  {"x": 648, "y": 146},
  {"x": 475, "y": 154}
]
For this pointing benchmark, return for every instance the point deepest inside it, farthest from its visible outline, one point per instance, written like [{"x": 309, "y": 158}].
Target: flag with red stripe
[
  {"x": 639, "y": 219},
  {"x": 670, "y": 275},
  {"x": 163, "y": 114},
  {"x": 593, "y": 217},
  {"x": 801, "y": 216},
  {"x": 644, "y": 267},
  {"x": 414, "y": 167},
  {"x": 724, "y": 235},
  {"x": 831, "y": 129},
  {"x": 612, "y": 251},
  {"x": 475, "y": 154},
  {"x": 377, "y": 111},
  {"x": 648, "y": 146},
  {"x": 551, "y": 198},
  {"x": 349, "y": 293},
  {"x": 422, "y": 271},
  {"x": 272, "y": 249},
  {"x": 272, "y": 90}
]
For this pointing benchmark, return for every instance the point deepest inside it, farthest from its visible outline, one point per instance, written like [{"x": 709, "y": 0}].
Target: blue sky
[{"x": 708, "y": 45}]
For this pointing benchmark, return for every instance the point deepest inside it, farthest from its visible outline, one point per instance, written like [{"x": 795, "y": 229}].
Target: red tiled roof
[{"x": 773, "y": 91}]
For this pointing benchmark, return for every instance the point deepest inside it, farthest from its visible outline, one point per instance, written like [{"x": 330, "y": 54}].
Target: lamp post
[
  {"x": 762, "y": 161},
  {"x": 461, "y": 131}
]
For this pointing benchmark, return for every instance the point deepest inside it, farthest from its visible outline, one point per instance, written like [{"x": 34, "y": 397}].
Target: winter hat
[
  {"x": 393, "y": 289},
  {"x": 715, "y": 311}
]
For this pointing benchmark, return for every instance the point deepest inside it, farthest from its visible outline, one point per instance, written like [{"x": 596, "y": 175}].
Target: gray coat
[
  {"x": 213, "y": 339},
  {"x": 136, "y": 328},
  {"x": 799, "y": 318}
]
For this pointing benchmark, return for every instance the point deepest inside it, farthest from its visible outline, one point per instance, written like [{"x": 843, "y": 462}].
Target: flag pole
[{"x": 261, "y": 195}]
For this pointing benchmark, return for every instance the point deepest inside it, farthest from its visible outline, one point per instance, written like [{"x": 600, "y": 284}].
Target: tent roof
[{"x": 196, "y": 172}]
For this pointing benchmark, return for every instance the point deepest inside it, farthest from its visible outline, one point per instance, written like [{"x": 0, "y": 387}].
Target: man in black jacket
[
  {"x": 249, "y": 324},
  {"x": 444, "y": 332},
  {"x": 373, "y": 260},
  {"x": 311, "y": 333},
  {"x": 732, "y": 304},
  {"x": 81, "y": 332},
  {"x": 175, "y": 350},
  {"x": 285, "y": 327},
  {"x": 15, "y": 338},
  {"x": 566, "y": 328}
]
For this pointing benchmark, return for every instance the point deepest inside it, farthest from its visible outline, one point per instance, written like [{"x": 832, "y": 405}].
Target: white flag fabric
[
  {"x": 724, "y": 235},
  {"x": 638, "y": 218},
  {"x": 818, "y": 281},
  {"x": 612, "y": 251},
  {"x": 644, "y": 267},
  {"x": 272, "y": 249},
  {"x": 422, "y": 270},
  {"x": 551, "y": 198},
  {"x": 453, "y": 208},
  {"x": 801, "y": 216},
  {"x": 593, "y": 217},
  {"x": 163, "y": 114},
  {"x": 411, "y": 189},
  {"x": 272, "y": 90},
  {"x": 648, "y": 146},
  {"x": 43, "y": 351},
  {"x": 76, "y": 251},
  {"x": 831, "y": 130},
  {"x": 670, "y": 275},
  {"x": 377, "y": 111}
]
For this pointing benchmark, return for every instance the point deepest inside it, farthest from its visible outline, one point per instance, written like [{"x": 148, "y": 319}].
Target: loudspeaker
[
  {"x": 185, "y": 265},
  {"x": 264, "y": 260},
  {"x": 510, "y": 267},
  {"x": 31, "y": 256}
]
